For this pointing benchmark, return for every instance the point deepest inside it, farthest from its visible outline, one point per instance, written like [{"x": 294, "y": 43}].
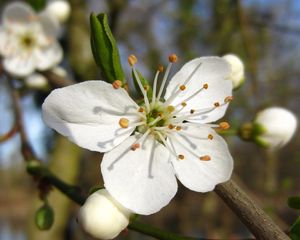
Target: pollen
[
  {"x": 183, "y": 104},
  {"x": 228, "y": 99},
  {"x": 170, "y": 126},
  {"x": 141, "y": 110},
  {"x": 173, "y": 58},
  {"x": 181, "y": 157},
  {"x": 178, "y": 128},
  {"x": 182, "y": 87},
  {"x": 217, "y": 104},
  {"x": 132, "y": 60},
  {"x": 205, "y": 158},
  {"x": 124, "y": 122},
  {"x": 170, "y": 108},
  {"x": 210, "y": 137},
  {"x": 224, "y": 125},
  {"x": 205, "y": 86},
  {"x": 192, "y": 111},
  {"x": 160, "y": 68},
  {"x": 135, "y": 146},
  {"x": 117, "y": 84}
]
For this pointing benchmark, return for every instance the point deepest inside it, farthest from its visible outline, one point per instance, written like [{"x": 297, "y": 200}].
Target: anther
[
  {"x": 224, "y": 125},
  {"x": 117, "y": 84},
  {"x": 217, "y": 104},
  {"x": 132, "y": 60},
  {"x": 141, "y": 110},
  {"x": 205, "y": 158},
  {"x": 183, "y": 104},
  {"x": 178, "y": 128},
  {"x": 170, "y": 108},
  {"x": 181, "y": 157},
  {"x": 205, "y": 86},
  {"x": 160, "y": 68},
  {"x": 192, "y": 111},
  {"x": 228, "y": 99},
  {"x": 210, "y": 137},
  {"x": 173, "y": 58},
  {"x": 170, "y": 126},
  {"x": 123, "y": 122},
  {"x": 182, "y": 87},
  {"x": 135, "y": 146}
]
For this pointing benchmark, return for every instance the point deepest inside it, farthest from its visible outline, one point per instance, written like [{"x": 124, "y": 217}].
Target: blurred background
[{"x": 265, "y": 34}]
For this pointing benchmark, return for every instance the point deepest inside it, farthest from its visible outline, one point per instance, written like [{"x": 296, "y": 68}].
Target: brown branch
[
  {"x": 256, "y": 220},
  {"x": 6, "y": 136},
  {"x": 55, "y": 80}
]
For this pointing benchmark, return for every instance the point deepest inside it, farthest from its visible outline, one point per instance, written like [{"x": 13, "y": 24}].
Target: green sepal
[
  {"x": 37, "y": 5},
  {"x": 144, "y": 82},
  {"x": 44, "y": 217},
  {"x": 294, "y": 202},
  {"x": 295, "y": 230},
  {"x": 104, "y": 48}
]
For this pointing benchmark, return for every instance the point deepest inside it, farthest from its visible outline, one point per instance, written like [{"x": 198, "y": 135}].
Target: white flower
[
  {"x": 171, "y": 136},
  {"x": 237, "y": 75},
  {"x": 102, "y": 217},
  {"x": 36, "y": 81},
  {"x": 28, "y": 41},
  {"x": 60, "y": 9},
  {"x": 278, "y": 125}
]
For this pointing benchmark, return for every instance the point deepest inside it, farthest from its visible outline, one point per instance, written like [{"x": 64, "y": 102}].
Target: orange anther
[
  {"x": 181, "y": 157},
  {"x": 205, "y": 86},
  {"x": 210, "y": 136},
  {"x": 182, "y": 87},
  {"x": 170, "y": 126},
  {"x": 135, "y": 146},
  {"x": 183, "y": 104},
  {"x": 205, "y": 158},
  {"x": 178, "y": 128},
  {"x": 173, "y": 58},
  {"x": 124, "y": 122},
  {"x": 132, "y": 60},
  {"x": 141, "y": 110},
  {"x": 160, "y": 68},
  {"x": 224, "y": 125},
  {"x": 228, "y": 99},
  {"x": 192, "y": 111},
  {"x": 117, "y": 84},
  {"x": 217, "y": 104}
]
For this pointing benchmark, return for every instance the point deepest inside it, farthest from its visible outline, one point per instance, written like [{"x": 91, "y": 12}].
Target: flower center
[{"x": 27, "y": 41}]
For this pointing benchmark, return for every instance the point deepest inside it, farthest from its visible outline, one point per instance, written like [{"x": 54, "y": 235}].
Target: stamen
[
  {"x": 170, "y": 126},
  {"x": 217, "y": 104},
  {"x": 173, "y": 58},
  {"x": 155, "y": 121},
  {"x": 182, "y": 87},
  {"x": 117, "y": 84},
  {"x": 155, "y": 85},
  {"x": 164, "y": 81},
  {"x": 141, "y": 110},
  {"x": 205, "y": 158},
  {"x": 160, "y": 68},
  {"x": 181, "y": 157},
  {"x": 132, "y": 60},
  {"x": 141, "y": 88},
  {"x": 210, "y": 137},
  {"x": 178, "y": 128},
  {"x": 124, "y": 122},
  {"x": 135, "y": 146},
  {"x": 205, "y": 86},
  {"x": 172, "y": 151},
  {"x": 228, "y": 99},
  {"x": 224, "y": 125}
]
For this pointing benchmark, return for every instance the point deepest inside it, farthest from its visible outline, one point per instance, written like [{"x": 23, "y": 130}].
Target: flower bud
[
  {"x": 103, "y": 217},
  {"x": 277, "y": 125},
  {"x": 237, "y": 75},
  {"x": 36, "y": 81},
  {"x": 44, "y": 217},
  {"x": 60, "y": 9}
]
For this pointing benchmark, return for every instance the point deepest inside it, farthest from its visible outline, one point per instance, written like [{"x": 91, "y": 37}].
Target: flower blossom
[
  {"x": 28, "y": 41},
  {"x": 148, "y": 145},
  {"x": 237, "y": 75}
]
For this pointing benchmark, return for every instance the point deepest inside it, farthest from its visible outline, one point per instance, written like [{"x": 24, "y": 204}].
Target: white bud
[
  {"x": 60, "y": 71},
  {"x": 237, "y": 75},
  {"x": 60, "y": 9},
  {"x": 278, "y": 126},
  {"x": 36, "y": 81},
  {"x": 102, "y": 217}
]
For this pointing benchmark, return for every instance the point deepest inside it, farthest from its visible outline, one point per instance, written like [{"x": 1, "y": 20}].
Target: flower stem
[{"x": 255, "y": 219}]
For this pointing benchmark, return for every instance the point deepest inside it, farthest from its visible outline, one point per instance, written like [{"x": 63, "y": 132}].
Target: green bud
[
  {"x": 37, "y": 5},
  {"x": 144, "y": 82},
  {"x": 104, "y": 48},
  {"x": 44, "y": 217}
]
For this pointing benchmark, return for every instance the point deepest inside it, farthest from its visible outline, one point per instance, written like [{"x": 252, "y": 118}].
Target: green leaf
[
  {"x": 104, "y": 48},
  {"x": 144, "y": 82},
  {"x": 294, "y": 202},
  {"x": 37, "y": 5},
  {"x": 295, "y": 230},
  {"x": 44, "y": 217}
]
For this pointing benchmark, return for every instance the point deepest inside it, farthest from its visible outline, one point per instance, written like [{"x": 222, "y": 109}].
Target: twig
[
  {"x": 255, "y": 219},
  {"x": 9, "y": 134},
  {"x": 55, "y": 80}
]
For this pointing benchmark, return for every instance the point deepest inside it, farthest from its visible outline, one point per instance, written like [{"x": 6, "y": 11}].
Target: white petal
[
  {"x": 50, "y": 24},
  {"x": 18, "y": 12},
  {"x": 198, "y": 175},
  {"x": 88, "y": 114},
  {"x": 212, "y": 71},
  {"x": 142, "y": 180},
  {"x": 19, "y": 66},
  {"x": 49, "y": 57}
]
